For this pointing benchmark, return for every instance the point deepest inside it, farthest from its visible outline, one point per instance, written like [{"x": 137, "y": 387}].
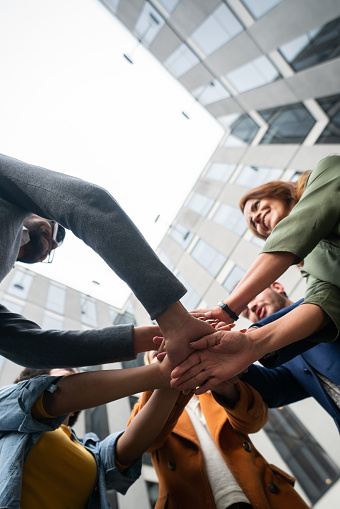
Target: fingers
[
  {"x": 207, "y": 386},
  {"x": 158, "y": 340},
  {"x": 182, "y": 384},
  {"x": 205, "y": 342},
  {"x": 190, "y": 362}
]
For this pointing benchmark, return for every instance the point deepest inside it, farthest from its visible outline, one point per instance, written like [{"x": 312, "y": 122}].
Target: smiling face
[
  {"x": 271, "y": 300},
  {"x": 262, "y": 215}
]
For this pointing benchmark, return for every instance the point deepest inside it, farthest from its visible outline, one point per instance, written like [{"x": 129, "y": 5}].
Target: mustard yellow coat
[{"x": 178, "y": 459}]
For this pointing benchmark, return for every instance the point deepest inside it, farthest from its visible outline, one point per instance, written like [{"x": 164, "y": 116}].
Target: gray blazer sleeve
[{"x": 39, "y": 348}]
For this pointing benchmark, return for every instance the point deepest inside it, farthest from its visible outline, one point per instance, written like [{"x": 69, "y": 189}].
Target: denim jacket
[{"x": 19, "y": 432}]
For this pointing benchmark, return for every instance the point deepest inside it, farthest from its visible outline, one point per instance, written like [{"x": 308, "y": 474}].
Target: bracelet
[{"x": 227, "y": 309}]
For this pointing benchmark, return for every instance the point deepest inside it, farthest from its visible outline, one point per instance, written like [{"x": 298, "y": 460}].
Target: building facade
[{"x": 269, "y": 73}]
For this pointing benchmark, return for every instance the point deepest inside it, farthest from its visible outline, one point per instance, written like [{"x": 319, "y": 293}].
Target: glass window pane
[
  {"x": 243, "y": 131},
  {"x": 216, "y": 30},
  {"x": 253, "y": 176},
  {"x": 169, "y": 5},
  {"x": 211, "y": 92},
  {"x": 288, "y": 124},
  {"x": 231, "y": 218},
  {"x": 182, "y": 235},
  {"x": 254, "y": 74},
  {"x": 208, "y": 257},
  {"x": 50, "y": 323},
  {"x": 259, "y": 8},
  {"x": 181, "y": 60},
  {"x": 20, "y": 284},
  {"x": 331, "y": 105},
  {"x": 149, "y": 23},
  {"x": 191, "y": 299},
  {"x": 88, "y": 312},
  {"x": 200, "y": 204},
  {"x": 113, "y": 3},
  {"x": 309, "y": 463},
  {"x": 234, "y": 277},
  {"x": 220, "y": 171},
  {"x": 12, "y": 306},
  {"x": 317, "y": 45},
  {"x": 56, "y": 299}
]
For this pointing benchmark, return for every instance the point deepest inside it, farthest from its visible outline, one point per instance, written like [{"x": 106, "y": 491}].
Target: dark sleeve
[
  {"x": 25, "y": 343},
  {"x": 277, "y": 386}
]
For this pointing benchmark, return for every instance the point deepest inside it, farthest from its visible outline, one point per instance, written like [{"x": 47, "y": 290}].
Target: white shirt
[{"x": 225, "y": 488}]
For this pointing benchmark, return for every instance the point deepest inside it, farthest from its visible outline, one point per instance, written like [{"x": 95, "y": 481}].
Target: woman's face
[{"x": 265, "y": 213}]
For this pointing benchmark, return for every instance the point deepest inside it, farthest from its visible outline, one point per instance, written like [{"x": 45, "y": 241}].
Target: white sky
[{"x": 70, "y": 102}]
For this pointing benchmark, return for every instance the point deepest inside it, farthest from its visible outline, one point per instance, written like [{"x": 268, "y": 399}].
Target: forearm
[
  {"x": 228, "y": 393},
  {"x": 146, "y": 426},
  {"x": 25, "y": 343},
  {"x": 143, "y": 338},
  {"x": 299, "y": 324},
  {"x": 264, "y": 271},
  {"x": 87, "y": 390}
]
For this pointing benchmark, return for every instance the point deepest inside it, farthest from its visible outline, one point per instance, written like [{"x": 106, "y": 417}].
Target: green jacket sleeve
[{"x": 314, "y": 217}]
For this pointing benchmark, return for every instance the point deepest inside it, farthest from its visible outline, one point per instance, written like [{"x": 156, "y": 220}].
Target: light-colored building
[{"x": 269, "y": 72}]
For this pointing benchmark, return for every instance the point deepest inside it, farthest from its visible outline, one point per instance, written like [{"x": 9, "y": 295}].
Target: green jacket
[{"x": 312, "y": 233}]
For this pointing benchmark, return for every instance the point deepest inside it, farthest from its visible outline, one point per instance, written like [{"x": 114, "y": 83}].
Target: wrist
[{"x": 228, "y": 310}]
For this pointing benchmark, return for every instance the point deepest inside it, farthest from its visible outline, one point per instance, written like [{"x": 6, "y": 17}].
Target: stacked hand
[{"x": 218, "y": 357}]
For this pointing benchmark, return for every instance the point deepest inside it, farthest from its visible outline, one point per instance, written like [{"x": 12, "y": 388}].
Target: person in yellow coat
[{"x": 204, "y": 457}]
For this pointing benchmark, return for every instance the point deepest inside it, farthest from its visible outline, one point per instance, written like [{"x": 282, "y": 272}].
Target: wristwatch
[{"x": 227, "y": 309}]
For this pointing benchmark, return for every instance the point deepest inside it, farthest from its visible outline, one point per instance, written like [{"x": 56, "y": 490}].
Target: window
[
  {"x": 50, "y": 322},
  {"x": 220, "y": 171},
  {"x": 309, "y": 463},
  {"x": 252, "y": 75},
  {"x": 181, "y": 60},
  {"x": 191, "y": 299},
  {"x": 181, "y": 235},
  {"x": 216, "y": 30},
  {"x": 243, "y": 131},
  {"x": 12, "y": 306},
  {"x": 113, "y": 316},
  {"x": 331, "y": 105},
  {"x": 314, "y": 47},
  {"x": 259, "y": 8},
  {"x": 288, "y": 124},
  {"x": 20, "y": 284},
  {"x": 56, "y": 299},
  {"x": 88, "y": 312},
  {"x": 113, "y": 3},
  {"x": 200, "y": 204},
  {"x": 149, "y": 23},
  {"x": 208, "y": 257},
  {"x": 169, "y": 5},
  {"x": 231, "y": 218},
  {"x": 234, "y": 277},
  {"x": 253, "y": 176},
  {"x": 211, "y": 92},
  {"x": 166, "y": 260},
  {"x": 125, "y": 319}
]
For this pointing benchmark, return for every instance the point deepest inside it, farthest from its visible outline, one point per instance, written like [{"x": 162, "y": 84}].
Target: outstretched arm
[
  {"x": 264, "y": 271},
  {"x": 94, "y": 388},
  {"x": 146, "y": 425},
  {"x": 223, "y": 355}
]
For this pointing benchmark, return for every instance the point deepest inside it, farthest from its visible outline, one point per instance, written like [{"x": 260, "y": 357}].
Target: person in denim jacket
[{"x": 43, "y": 464}]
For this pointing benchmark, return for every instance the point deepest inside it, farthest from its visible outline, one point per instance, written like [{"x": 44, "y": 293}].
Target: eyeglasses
[
  {"x": 58, "y": 235},
  {"x": 58, "y": 232}
]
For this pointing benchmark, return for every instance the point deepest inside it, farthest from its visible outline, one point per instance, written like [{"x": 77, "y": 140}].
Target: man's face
[
  {"x": 266, "y": 303},
  {"x": 41, "y": 242}
]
